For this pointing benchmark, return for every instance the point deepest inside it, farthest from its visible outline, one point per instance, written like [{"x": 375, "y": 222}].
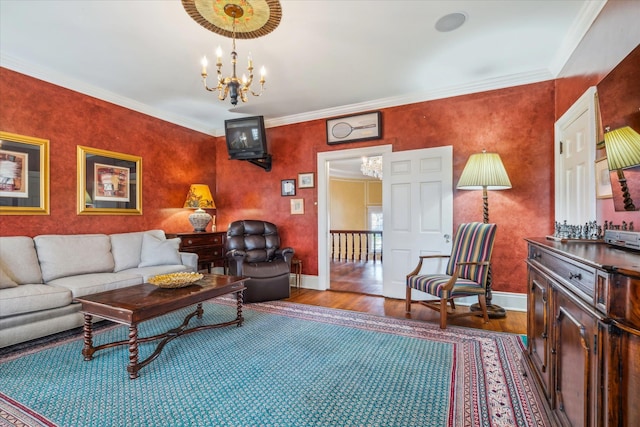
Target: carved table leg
[
  {"x": 239, "y": 298},
  {"x": 88, "y": 349},
  {"x": 199, "y": 311},
  {"x": 133, "y": 352}
]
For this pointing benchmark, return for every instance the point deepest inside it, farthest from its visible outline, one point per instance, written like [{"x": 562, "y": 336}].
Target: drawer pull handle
[
  {"x": 190, "y": 242},
  {"x": 575, "y": 276},
  {"x": 536, "y": 255}
]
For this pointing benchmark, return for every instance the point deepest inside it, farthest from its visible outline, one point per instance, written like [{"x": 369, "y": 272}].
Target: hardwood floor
[
  {"x": 362, "y": 297},
  {"x": 360, "y": 277}
]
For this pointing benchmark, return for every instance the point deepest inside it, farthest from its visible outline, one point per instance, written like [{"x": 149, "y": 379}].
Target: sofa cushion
[
  {"x": 87, "y": 284},
  {"x": 159, "y": 251},
  {"x": 127, "y": 247},
  {"x": 18, "y": 258},
  {"x": 69, "y": 255},
  {"x": 28, "y": 298},
  {"x": 5, "y": 280}
]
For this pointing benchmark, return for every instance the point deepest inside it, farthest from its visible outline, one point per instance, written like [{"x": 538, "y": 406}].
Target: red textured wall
[
  {"x": 516, "y": 122},
  {"x": 173, "y": 157}
]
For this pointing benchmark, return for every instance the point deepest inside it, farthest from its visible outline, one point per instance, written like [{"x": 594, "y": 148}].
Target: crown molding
[
  {"x": 62, "y": 80},
  {"x": 588, "y": 14},
  {"x": 448, "y": 92},
  {"x": 59, "y": 79}
]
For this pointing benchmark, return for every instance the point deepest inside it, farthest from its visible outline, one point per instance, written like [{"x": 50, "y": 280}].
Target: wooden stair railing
[{"x": 356, "y": 245}]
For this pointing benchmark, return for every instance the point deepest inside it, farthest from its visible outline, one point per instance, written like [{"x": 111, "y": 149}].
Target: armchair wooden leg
[
  {"x": 482, "y": 300},
  {"x": 407, "y": 306},
  {"x": 443, "y": 313}
]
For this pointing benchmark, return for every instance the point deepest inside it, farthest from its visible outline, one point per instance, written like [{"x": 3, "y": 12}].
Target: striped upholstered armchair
[{"x": 467, "y": 272}]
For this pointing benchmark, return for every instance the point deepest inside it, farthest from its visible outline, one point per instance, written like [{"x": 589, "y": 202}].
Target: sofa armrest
[{"x": 190, "y": 260}]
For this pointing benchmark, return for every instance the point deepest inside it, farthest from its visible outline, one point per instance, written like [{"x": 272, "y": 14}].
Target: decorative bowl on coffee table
[{"x": 175, "y": 280}]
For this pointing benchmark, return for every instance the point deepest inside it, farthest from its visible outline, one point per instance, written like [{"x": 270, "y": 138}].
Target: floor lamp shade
[
  {"x": 484, "y": 170},
  {"x": 199, "y": 197},
  {"x": 623, "y": 151}
]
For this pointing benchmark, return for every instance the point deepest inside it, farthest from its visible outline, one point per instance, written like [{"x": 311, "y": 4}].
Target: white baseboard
[{"x": 507, "y": 300}]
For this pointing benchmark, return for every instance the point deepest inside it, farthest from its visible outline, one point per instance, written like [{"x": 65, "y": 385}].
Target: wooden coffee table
[{"x": 135, "y": 304}]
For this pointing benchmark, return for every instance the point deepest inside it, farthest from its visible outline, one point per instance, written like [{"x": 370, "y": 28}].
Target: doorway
[{"x": 324, "y": 218}]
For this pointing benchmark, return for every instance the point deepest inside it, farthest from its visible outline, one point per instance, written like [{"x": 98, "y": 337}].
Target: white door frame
[
  {"x": 584, "y": 105},
  {"x": 323, "y": 203}
]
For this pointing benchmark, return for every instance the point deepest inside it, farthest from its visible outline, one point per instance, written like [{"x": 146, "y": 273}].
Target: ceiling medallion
[{"x": 258, "y": 18}]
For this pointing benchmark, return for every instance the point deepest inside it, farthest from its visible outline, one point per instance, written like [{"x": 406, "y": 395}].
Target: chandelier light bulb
[
  {"x": 219, "y": 54},
  {"x": 204, "y": 63}
]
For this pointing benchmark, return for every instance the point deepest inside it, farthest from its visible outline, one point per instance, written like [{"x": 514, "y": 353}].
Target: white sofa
[{"x": 40, "y": 277}]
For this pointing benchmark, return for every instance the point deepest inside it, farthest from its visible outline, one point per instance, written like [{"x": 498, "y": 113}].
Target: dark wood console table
[
  {"x": 208, "y": 245},
  {"x": 583, "y": 331},
  {"x": 135, "y": 304}
]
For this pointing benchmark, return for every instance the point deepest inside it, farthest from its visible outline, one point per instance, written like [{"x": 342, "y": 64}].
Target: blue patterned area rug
[{"x": 288, "y": 365}]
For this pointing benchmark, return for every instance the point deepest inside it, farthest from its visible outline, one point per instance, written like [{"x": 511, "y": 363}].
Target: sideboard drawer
[
  {"x": 580, "y": 278},
  {"x": 202, "y": 240}
]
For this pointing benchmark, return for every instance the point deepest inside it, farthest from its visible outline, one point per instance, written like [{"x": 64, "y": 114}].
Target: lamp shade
[
  {"x": 484, "y": 170},
  {"x": 199, "y": 196},
  {"x": 623, "y": 148}
]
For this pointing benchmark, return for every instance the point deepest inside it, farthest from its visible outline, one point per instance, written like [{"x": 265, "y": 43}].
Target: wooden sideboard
[
  {"x": 583, "y": 331},
  {"x": 209, "y": 245}
]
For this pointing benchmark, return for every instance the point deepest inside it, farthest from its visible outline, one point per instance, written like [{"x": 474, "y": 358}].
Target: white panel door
[
  {"x": 417, "y": 199},
  {"x": 575, "y": 149}
]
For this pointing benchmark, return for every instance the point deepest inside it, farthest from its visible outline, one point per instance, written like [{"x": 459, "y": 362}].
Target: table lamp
[{"x": 199, "y": 197}]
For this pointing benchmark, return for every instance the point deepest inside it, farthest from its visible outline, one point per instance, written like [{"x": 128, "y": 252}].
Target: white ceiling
[{"x": 326, "y": 58}]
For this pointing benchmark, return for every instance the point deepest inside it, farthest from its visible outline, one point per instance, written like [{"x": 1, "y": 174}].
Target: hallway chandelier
[
  {"x": 234, "y": 19},
  {"x": 372, "y": 166}
]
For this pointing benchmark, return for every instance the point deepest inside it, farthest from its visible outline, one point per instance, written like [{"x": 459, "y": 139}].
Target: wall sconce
[
  {"x": 485, "y": 171},
  {"x": 623, "y": 151},
  {"x": 199, "y": 197}
]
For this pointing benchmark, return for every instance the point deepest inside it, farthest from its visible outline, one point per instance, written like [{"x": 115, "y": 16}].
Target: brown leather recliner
[{"x": 253, "y": 250}]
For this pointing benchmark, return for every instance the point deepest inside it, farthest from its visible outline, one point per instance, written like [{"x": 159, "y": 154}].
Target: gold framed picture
[
  {"x": 24, "y": 175},
  {"x": 109, "y": 183}
]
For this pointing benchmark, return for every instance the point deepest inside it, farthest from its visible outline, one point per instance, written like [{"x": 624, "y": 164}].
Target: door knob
[{"x": 447, "y": 238}]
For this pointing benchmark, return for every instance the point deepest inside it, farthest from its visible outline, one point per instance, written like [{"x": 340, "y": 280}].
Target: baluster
[
  {"x": 333, "y": 238},
  {"x": 353, "y": 246}
]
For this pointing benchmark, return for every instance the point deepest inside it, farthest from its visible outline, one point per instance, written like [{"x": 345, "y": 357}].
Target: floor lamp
[
  {"x": 485, "y": 171},
  {"x": 623, "y": 151}
]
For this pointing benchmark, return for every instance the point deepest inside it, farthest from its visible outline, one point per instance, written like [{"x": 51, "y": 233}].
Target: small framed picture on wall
[
  {"x": 288, "y": 187},
  {"x": 297, "y": 206},
  {"x": 305, "y": 180}
]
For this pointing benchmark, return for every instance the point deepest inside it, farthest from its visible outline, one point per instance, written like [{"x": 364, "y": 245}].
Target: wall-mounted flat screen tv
[{"x": 246, "y": 138}]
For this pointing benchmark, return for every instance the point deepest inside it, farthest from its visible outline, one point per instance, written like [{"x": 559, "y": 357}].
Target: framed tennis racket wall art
[{"x": 361, "y": 127}]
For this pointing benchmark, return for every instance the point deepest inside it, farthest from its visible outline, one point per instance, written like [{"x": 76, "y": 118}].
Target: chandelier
[
  {"x": 247, "y": 20},
  {"x": 372, "y": 166}
]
